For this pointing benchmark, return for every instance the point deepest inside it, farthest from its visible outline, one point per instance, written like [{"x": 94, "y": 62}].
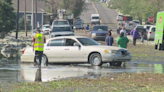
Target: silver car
[{"x": 61, "y": 30}]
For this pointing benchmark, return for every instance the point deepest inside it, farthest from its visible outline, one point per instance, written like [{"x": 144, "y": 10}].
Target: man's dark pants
[
  {"x": 38, "y": 55},
  {"x": 134, "y": 41}
]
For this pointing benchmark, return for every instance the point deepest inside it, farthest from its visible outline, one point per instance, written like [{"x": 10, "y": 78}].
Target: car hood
[
  {"x": 61, "y": 33},
  {"x": 46, "y": 29},
  {"x": 105, "y": 47},
  {"x": 104, "y": 32}
]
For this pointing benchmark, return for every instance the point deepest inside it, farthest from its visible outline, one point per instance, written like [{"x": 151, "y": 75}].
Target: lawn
[{"x": 125, "y": 82}]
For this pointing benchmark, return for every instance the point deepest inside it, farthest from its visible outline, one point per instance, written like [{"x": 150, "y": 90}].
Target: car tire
[
  {"x": 95, "y": 59},
  {"x": 115, "y": 64},
  {"x": 156, "y": 46},
  {"x": 45, "y": 62}
]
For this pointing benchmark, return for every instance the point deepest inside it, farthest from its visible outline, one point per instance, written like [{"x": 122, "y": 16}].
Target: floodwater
[{"x": 12, "y": 71}]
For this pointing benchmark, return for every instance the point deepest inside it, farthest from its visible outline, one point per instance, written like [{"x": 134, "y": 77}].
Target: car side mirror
[{"x": 76, "y": 44}]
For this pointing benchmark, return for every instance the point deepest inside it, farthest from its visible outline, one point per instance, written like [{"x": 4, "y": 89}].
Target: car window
[
  {"x": 95, "y": 17},
  {"x": 87, "y": 41},
  {"x": 46, "y": 27},
  {"x": 61, "y": 23},
  {"x": 59, "y": 29},
  {"x": 153, "y": 30},
  {"x": 69, "y": 42},
  {"x": 148, "y": 27},
  {"x": 100, "y": 28},
  {"x": 56, "y": 42}
]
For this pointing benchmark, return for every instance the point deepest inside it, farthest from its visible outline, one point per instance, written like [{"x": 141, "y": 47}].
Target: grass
[
  {"x": 104, "y": 4},
  {"x": 125, "y": 82}
]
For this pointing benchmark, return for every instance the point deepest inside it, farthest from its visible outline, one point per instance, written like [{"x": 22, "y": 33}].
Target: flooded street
[{"x": 12, "y": 71}]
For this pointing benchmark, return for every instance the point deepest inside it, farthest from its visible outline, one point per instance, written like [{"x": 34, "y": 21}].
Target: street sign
[
  {"x": 151, "y": 19},
  {"x": 125, "y": 18}
]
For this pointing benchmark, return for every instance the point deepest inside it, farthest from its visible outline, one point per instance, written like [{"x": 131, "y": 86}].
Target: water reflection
[{"x": 38, "y": 76}]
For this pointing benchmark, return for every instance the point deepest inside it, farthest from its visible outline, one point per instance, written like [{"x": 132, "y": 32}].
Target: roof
[
  {"x": 94, "y": 14},
  {"x": 68, "y": 37},
  {"x": 40, "y": 6}
]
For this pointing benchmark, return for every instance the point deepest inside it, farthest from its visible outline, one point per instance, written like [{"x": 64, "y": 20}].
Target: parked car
[
  {"x": 136, "y": 22},
  {"x": 144, "y": 29},
  {"x": 78, "y": 49},
  {"x": 79, "y": 20},
  {"x": 78, "y": 25},
  {"x": 99, "y": 32},
  {"x": 61, "y": 30},
  {"x": 151, "y": 33},
  {"x": 46, "y": 29},
  {"x": 119, "y": 17}
]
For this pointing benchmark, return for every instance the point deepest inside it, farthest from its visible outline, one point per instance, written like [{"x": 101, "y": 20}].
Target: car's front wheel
[
  {"x": 115, "y": 64},
  {"x": 44, "y": 61},
  {"x": 95, "y": 59}
]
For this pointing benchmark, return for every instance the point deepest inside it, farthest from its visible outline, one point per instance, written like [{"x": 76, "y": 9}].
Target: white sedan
[{"x": 78, "y": 49}]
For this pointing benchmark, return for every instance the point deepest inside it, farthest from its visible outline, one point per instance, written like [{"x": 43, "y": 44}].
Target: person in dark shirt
[
  {"x": 109, "y": 39},
  {"x": 142, "y": 35}
]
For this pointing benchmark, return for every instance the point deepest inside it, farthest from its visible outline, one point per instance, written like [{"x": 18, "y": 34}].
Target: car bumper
[
  {"x": 116, "y": 58},
  {"x": 27, "y": 58},
  {"x": 79, "y": 28},
  {"x": 95, "y": 22}
]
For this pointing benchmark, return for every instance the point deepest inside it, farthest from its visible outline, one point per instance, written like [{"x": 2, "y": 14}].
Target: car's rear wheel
[
  {"x": 44, "y": 61},
  {"x": 115, "y": 64},
  {"x": 95, "y": 59}
]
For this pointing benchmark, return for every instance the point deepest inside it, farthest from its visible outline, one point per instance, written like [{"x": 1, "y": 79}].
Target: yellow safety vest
[{"x": 39, "y": 42}]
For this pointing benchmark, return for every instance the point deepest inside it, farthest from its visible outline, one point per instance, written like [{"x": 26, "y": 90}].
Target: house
[{"x": 42, "y": 16}]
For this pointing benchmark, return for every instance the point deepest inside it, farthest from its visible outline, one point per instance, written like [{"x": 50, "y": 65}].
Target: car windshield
[
  {"x": 140, "y": 26},
  {"x": 95, "y": 17},
  {"x": 46, "y": 27},
  {"x": 100, "y": 28},
  {"x": 78, "y": 23},
  {"x": 58, "y": 29},
  {"x": 148, "y": 27},
  {"x": 87, "y": 41},
  {"x": 61, "y": 23}
]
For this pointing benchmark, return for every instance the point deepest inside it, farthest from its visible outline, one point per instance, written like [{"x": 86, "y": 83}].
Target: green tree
[
  {"x": 7, "y": 16},
  {"x": 21, "y": 24},
  {"x": 139, "y": 9}
]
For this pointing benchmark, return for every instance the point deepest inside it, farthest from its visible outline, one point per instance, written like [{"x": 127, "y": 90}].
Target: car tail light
[
  {"x": 150, "y": 32},
  {"x": 24, "y": 51}
]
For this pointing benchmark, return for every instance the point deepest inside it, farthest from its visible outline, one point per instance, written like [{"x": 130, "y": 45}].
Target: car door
[
  {"x": 153, "y": 32},
  {"x": 54, "y": 50},
  {"x": 72, "y": 53}
]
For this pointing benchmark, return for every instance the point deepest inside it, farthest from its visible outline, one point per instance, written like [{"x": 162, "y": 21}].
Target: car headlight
[
  {"x": 111, "y": 51},
  {"x": 93, "y": 33},
  {"x": 74, "y": 27}
]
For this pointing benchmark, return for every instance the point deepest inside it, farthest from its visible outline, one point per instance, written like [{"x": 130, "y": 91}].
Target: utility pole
[
  {"x": 32, "y": 23},
  {"x": 25, "y": 23},
  {"x": 35, "y": 14},
  {"x": 17, "y": 19}
]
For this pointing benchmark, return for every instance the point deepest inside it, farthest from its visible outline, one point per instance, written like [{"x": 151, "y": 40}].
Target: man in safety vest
[{"x": 38, "y": 45}]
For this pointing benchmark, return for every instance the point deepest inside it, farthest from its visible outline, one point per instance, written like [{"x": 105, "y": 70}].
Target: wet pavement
[{"x": 12, "y": 71}]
